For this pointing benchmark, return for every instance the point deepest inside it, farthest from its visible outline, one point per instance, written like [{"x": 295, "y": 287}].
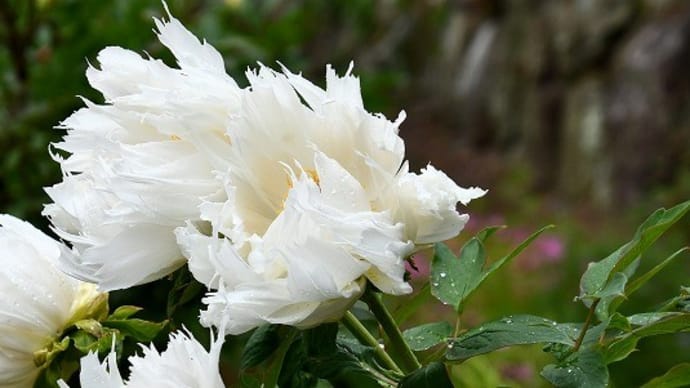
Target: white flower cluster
[{"x": 283, "y": 197}]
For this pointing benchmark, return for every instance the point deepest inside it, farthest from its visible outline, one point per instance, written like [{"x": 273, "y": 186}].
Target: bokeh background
[{"x": 571, "y": 112}]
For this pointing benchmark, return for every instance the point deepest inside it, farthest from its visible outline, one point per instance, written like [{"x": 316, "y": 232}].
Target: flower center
[{"x": 311, "y": 173}]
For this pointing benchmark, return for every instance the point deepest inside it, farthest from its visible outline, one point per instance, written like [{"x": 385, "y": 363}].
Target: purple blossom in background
[{"x": 547, "y": 249}]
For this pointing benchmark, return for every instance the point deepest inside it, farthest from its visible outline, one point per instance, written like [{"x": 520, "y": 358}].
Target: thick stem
[
  {"x": 390, "y": 327},
  {"x": 362, "y": 334}
]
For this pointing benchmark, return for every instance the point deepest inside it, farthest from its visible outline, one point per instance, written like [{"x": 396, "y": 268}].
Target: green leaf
[
  {"x": 678, "y": 376},
  {"x": 433, "y": 375},
  {"x": 342, "y": 369},
  {"x": 315, "y": 358},
  {"x": 454, "y": 279},
  {"x": 264, "y": 353},
  {"x": 646, "y": 325},
  {"x": 637, "y": 283},
  {"x": 646, "y": 319},
  {"x": 291, "y": 373},
  {"x": 260, "y": 345},
  {"x": 610, "y": 295},
  {"x": 139, "y": 329},
  {"x": 426, "y": 336},
  {"x": 90, "y": 326},
  {"x": 83, "y": 341},
  {"x": 620, "y": 350},
  {"x": 86, "y": 342},
  {"x": 585, "y": 369},
  {"x": 185, "y": 289},
  {"x": 124, "y": 312},
  {"x": 619, "y": 322},
  {"x": 487, "y": 232},
  {"x": 321, "y": 339},
  {"x": 678, "y": 303},
  {"x": 598, "y": 274},
  {"x": 509, "y": 331}
]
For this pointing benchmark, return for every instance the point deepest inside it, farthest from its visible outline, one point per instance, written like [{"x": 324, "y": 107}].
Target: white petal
[
  {"x": 212, "y": 260},
  {"x": 427, "y": 205},
  {"x": 188, "y": 50},
  {"x": 38, "y": 301},
  {"x": 150, "y": 249},
  {"x": 184, "y": 363}
]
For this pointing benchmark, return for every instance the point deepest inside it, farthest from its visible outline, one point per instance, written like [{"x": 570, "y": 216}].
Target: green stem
[
  {"x": 585, "y": 327},
  {"x": 362, "y": 334},
  {"x": 408, "y": 359}
]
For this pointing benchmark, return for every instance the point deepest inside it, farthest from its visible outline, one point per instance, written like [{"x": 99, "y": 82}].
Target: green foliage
[
  {"x": 308, "y": 358},
  {"x": 582, "y": 369},
  {"x": 454, "y": 279},
  {"x": 509, "y": 331},
  {"x": 433, "y": 375},
  {"x": 60, "y": 359},
  {"x": 678, "y": 376},
  {"x": 428, "y": 335},
  {"x": 139, "y": 329},
  {"x": 606, "y": 279},
  {"x": 124, "y": 312},
  {"x": 582, "y": 351}
]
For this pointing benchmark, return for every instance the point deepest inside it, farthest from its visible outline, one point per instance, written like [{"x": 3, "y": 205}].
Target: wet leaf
[{"x": 426, "y": 336}]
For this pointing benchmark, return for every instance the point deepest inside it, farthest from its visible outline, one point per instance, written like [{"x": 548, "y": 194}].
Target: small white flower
[
  {"x": 38, "y": 301},
  {"x": 184, "y": 364},
  {"x": 140, "y": 165}
]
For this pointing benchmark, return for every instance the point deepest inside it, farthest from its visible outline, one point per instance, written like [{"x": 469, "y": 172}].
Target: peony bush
[{"x": 294, "y": 209}]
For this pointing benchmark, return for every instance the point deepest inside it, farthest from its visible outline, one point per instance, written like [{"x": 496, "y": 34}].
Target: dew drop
[{"x": 442, "y": 274}]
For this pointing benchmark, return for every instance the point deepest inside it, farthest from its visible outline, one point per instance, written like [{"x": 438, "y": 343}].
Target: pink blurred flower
[{"x": 546, "y": 249}]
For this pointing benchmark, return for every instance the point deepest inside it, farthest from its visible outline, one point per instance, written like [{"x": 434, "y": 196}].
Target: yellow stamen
[{"x": 312, "y": 174}]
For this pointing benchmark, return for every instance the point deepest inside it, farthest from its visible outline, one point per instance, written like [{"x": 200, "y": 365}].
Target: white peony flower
[
  {"x": 318, "y": 201},
  {"x": 184, "y": 364},
  {"x": 285, "y": 198},
  {"x": 139, "y": 166},
  {"x": 38, "y": 301}
]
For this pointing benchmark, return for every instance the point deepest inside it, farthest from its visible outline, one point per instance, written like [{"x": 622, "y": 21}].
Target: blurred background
[{"x": 571, "y": 112}]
